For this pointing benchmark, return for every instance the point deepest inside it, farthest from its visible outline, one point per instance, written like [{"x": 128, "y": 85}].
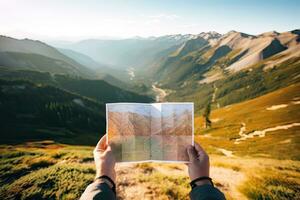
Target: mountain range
[{"x": 205, "y": 68}]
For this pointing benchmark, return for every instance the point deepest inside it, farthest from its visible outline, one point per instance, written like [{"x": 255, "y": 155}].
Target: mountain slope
[
  {"x": 36, "y": 62},
  {"x": 266, "y": 126},
  {"x": 98, "y": 90},
  {"x": 132, "y": 52},
  {"x": 81, "y": 58},
  {"x": 111, "y": 75},
  {"x": 34, "y": 112},
  {"x": 228, "y": 54},
  {"x": 266, "y": 76},
  {"x": 10, "y": 48}
]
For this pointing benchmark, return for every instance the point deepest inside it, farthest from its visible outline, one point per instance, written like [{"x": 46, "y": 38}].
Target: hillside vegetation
[
  {"x": 240, "y": 86},
  {"x": 47, "y": 170},
  {"x": 33, "y": 112},
  {"x": 274, "y": 117}
]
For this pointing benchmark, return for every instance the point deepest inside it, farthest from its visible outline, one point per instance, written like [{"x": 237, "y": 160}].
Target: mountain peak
[
  {"x": 234, "y": 33},
  {"x": 210, "y": 35},
  {"x": 270, "y": 34}
]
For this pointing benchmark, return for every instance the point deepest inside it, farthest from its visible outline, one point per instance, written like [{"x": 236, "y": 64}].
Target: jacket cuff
[
  {"x": 207, "y": 191},
  {"x": 98, "y": 191}
]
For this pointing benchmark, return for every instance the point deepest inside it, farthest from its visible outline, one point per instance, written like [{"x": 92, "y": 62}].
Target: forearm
[
  {"x": 207, "y": 191},
  {"x": 98, "y": 190}
]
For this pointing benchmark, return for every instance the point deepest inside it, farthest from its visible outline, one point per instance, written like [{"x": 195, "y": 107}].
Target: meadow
[{"x": 48, "y": 170}]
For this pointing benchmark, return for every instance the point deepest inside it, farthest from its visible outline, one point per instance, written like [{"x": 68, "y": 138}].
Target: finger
[
  {"x": 199, "y": 149},
  {"x": 101, "y": 145},
  {"x": 192, "y": 153}
]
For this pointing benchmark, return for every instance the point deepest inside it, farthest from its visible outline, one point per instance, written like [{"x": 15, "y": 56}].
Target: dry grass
[
  {"x": 281, "y": 144},
  {"x": 42, "y": 172}
]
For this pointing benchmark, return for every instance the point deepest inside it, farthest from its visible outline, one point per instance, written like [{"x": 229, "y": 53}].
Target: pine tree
[{"x": 206, "y": 115}]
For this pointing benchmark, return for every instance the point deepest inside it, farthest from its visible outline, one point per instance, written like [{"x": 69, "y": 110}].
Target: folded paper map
[{"x": 150, "y": 132}]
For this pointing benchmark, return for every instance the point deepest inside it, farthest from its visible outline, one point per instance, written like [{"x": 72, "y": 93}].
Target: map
[{"x": 150, "y": 132}]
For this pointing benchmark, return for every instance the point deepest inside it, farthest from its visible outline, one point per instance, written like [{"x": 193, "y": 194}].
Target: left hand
[{"x": 104, "y": 159}]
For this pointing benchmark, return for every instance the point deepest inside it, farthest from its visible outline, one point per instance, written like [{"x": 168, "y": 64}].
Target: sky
[{"x": 72, "y": 20}]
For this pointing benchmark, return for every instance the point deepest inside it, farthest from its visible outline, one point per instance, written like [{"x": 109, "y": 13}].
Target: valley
[{"x": 52, "y": 103}]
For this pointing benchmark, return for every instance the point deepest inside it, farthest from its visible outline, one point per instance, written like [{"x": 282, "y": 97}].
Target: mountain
[
  {"x": 235, "y": 67},
  {"x": 125, "y": 53},
  {"x": 39, "y": 105},
  {"x": 81, "y": 58},
  {"x": 36, "y": 55},
  {"x": 229, "y": 53},
  {"x": 205, "y": 68},
  {"x": 101, "y": 71},
  {"x": 98, "y": 90}
]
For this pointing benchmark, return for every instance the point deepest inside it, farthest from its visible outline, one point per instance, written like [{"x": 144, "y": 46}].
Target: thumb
[{"x": 192, "y": 153}]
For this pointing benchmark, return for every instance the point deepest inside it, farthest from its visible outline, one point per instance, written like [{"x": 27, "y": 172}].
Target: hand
[
  {"x": 199, "y": 163},
  {"x": 104, "y": 159}
]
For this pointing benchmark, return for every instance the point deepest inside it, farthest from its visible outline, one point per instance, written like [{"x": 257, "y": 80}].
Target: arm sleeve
[
  {"x": 98, "y": 191},
  {"x": 205, "y": 192}
]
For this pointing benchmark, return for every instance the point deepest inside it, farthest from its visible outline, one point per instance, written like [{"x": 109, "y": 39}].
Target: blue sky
[{"x": 74, "y": 19}]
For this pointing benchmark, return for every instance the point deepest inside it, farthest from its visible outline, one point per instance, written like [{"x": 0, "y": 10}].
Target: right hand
[{"x": 199, "y": 162}]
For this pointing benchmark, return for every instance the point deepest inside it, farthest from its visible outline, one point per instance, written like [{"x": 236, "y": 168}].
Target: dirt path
[
  {"x": 226, "y": 152},
  {"x": 226, "y": 179},
  {"x": 261, "y": 133}
]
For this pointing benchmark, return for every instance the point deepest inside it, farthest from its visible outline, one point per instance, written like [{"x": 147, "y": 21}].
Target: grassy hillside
[
  {"x": 240, "y": 86},
  {"x": 47, "y": 170},
  {"x": 277, "y": 113}
]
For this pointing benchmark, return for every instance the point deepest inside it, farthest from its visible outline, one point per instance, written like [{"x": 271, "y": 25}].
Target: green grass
[
  {"x": 45, "y": 170},
  {"x": 61, "y": 181}
]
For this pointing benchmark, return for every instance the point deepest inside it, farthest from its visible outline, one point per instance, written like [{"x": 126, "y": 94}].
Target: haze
[{"x": 75, "y": 20}]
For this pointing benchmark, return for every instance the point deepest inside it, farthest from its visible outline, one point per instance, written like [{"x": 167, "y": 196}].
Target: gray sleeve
[
  {"x": 205, "y": 192},
  {"x": 98, "y": 191}
]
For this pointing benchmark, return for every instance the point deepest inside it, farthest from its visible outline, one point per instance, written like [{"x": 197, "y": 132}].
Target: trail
[
  {"x": 262, "y": 133},
  {"x": 276, "y": 107},
  {"x": 226, "y": 152},
  {"x": 225, "y": 178},
  {"x": 280, "y": 106},
  {"x": 160, "y": 93}
]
